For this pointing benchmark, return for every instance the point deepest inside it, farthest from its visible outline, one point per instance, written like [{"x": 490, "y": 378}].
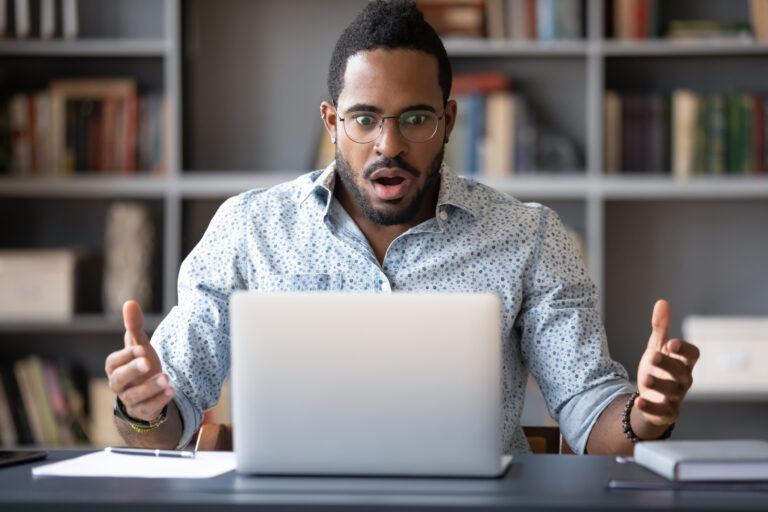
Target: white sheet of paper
[{"x": 105, "y": 464}]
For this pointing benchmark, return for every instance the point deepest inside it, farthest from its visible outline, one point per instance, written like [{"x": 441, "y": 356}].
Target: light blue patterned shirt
[{"x": 296, "y": 236}]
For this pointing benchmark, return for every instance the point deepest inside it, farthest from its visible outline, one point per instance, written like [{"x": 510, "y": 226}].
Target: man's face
[{"x": 390, "y": 177}]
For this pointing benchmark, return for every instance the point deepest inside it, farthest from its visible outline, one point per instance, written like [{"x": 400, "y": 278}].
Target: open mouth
[{"x": 389, "y": 188}]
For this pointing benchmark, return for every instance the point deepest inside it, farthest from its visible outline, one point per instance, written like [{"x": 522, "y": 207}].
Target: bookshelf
[{"x": 648, "y": 235}]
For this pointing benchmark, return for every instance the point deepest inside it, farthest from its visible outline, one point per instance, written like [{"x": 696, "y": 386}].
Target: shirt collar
[
  {"x": 454, "y": 191},
  {"x": 326, "y": 181}
]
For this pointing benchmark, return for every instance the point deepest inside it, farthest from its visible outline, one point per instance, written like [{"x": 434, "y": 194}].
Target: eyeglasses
[{"x": 415, "y": 125}]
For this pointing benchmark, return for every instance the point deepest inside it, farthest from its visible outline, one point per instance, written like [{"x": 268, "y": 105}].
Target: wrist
[
  {"x": 136, "y": 424},
  {"x": 637, "y": 428}
]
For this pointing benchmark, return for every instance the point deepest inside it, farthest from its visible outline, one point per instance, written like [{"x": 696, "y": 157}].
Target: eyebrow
[{"x": 362, "y": 107}]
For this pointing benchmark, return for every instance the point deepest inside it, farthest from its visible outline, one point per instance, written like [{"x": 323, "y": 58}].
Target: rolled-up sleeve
[
  {"x": 563, "y": 341},
  {"x": 193, "y": 340}
]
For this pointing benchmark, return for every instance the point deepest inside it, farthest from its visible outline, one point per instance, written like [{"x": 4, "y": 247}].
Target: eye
[
  {"x": 413, "y": 118},
  {"x": 365, "y": 120}
]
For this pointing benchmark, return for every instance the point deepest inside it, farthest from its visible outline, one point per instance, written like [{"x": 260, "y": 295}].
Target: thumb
[
  {"x": 660, "y": 324},
  {"x": 134, "y": 324}
]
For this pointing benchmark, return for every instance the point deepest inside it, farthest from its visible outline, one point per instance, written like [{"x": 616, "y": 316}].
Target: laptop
[{"x": 403, "y": 384}]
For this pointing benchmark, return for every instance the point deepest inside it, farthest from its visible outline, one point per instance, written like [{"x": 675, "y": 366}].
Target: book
[
  {"x": 500, "y": 115},
  {"x": 517, "y": 20},
  {"x": 47, "y": 19},
  {"x": 568, "y": 14},
  {"x": 3, "y": 17},
  {"x": 8, "y": 435},
  {"x": 70, "y": 22},
  {"x": 714, "y": 461},
  {"x": 545, "y": 20},
  {"x": 703, "y": 29},
  {"x": 494, "y": 19},
  {"x": 612, "y": 132},
  {"x": 459, "y": 18},
  {"x": 758, "y": 13},
  {"x": 22, "y": 18},
  {"x": 685, "y": 106}
]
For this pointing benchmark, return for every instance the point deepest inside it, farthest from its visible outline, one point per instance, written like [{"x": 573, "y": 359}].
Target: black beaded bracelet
[{"x": 626, "y": 427}]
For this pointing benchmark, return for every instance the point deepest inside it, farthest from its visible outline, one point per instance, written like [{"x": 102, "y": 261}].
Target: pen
[{"x": 151, "y": 453}]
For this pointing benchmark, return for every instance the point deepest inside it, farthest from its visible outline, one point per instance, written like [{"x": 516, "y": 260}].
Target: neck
[{"x": 379, "y": 236}]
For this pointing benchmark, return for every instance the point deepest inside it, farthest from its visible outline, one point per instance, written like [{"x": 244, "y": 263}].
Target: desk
[{"x": 540, "y": 482}]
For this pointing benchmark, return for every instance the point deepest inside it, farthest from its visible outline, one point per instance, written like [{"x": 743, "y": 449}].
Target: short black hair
[{"x": 388, "y": 24}]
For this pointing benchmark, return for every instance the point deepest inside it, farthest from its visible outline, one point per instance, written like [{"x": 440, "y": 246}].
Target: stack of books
[
  {"x": 498, "y": 133},
  {"x": 42, "y": 402},
  {"x": 686, "y": 133},
  {"x": 541, "y": 20},
  {"x": 84, "y": 126},
  {"x": 646, "y": 19}
]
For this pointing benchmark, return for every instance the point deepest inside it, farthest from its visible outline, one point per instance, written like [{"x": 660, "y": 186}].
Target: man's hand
[
  {"x": 135, "y": 374},
  {"x": 663, "y": 377}
]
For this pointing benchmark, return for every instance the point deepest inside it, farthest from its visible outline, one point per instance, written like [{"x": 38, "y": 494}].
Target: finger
[
  {"x": 134, "y": 395},
  {"x": 134, "y": 324},
  {"x": 672, "y": 390},
  {"x": 660, "y": 325},
  {"x": 686, "y": 352},
  {"x": 660, "y": 412},
  {"x": 150, "y": 409},
  {"x": 121, "y": 357},
  {"x": 673, "y": 369},
  {"x": 129, "y": 374}
]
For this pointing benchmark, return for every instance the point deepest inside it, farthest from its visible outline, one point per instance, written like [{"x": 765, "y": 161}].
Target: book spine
[
  {"x": 717, "y": 135},
  {"x": 22, "y": 18},
  {"x": 8, "y": 435},
  {"x": 130, "y": 133},
  {"x": 3, "y": 18},
  {"x": 545, "y": 20},
  {"x": 758, "y": 134},
  {"x": 70, "y": 23},
  {"x": 47, "y": 19}
]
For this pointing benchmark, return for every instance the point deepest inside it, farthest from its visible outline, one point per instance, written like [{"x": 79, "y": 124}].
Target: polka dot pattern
[{"x": 297, "y": 237}]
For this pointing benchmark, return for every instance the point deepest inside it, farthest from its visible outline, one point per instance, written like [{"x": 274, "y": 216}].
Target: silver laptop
[{"x": 367, "y": 384}]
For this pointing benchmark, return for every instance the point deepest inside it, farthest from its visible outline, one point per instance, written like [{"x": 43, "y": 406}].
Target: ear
[
  {"x": 330, "y": 119},
  {"x": 450, "y": 117}
]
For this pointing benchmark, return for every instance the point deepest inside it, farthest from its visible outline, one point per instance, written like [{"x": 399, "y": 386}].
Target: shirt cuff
[
  {"x": 190, "y": 417},
  {"x": 580, "y": 414}
]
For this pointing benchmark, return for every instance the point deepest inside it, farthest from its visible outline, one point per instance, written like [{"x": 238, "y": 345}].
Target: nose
[{"x": 390, "y": 141}]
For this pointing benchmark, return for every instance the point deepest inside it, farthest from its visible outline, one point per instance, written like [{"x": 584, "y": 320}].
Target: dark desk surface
[{"x": 534, "y": 482}]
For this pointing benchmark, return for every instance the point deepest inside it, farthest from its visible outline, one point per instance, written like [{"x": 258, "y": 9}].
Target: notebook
[
  {"x": 328, "y": 383},
  {"x": 718, "y": 460}
]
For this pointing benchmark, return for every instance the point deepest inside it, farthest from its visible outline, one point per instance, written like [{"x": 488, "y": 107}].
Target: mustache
[{"x": 386, "y": 162}]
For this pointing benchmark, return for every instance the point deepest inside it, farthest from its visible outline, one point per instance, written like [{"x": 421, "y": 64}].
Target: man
[{"x": 387, "y": 215}]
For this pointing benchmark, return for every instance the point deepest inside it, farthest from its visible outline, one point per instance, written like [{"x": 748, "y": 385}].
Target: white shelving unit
[{"x": 276, "y": 60}]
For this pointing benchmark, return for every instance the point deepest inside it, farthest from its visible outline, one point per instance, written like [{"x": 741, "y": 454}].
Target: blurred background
[{"x": 124, "y": 124}]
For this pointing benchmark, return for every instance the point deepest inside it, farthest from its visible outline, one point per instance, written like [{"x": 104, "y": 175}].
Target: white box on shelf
[
  {"x": 733, "y": 354},
  {"x": 37, "y": 284}
]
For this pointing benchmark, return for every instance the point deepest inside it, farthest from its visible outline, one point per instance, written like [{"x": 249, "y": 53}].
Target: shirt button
[
  {"x": 385, "y": 286},
  {"x": 443, "y": 215}
]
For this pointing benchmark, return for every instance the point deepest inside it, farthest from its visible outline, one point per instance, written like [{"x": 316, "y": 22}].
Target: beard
[{"x": 393, "y": 215}]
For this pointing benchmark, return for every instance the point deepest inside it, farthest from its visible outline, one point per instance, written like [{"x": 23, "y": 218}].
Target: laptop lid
[{"x": 376, "y": 384}]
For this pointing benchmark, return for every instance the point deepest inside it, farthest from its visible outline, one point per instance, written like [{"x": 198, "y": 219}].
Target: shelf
[
  {"x": 85, "y": 48},
  {"x": 673, "y": 48},
  {"x": 214, "y": 184},
  {"x": 141, "y": 186},
  {"x": 220, "y": 184},
  {"x": 512, "y": 48},
  {"x": 90, "y": 323},
  {"x": 660, "y": 188},
  {"x": 542, "y": 186}
]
